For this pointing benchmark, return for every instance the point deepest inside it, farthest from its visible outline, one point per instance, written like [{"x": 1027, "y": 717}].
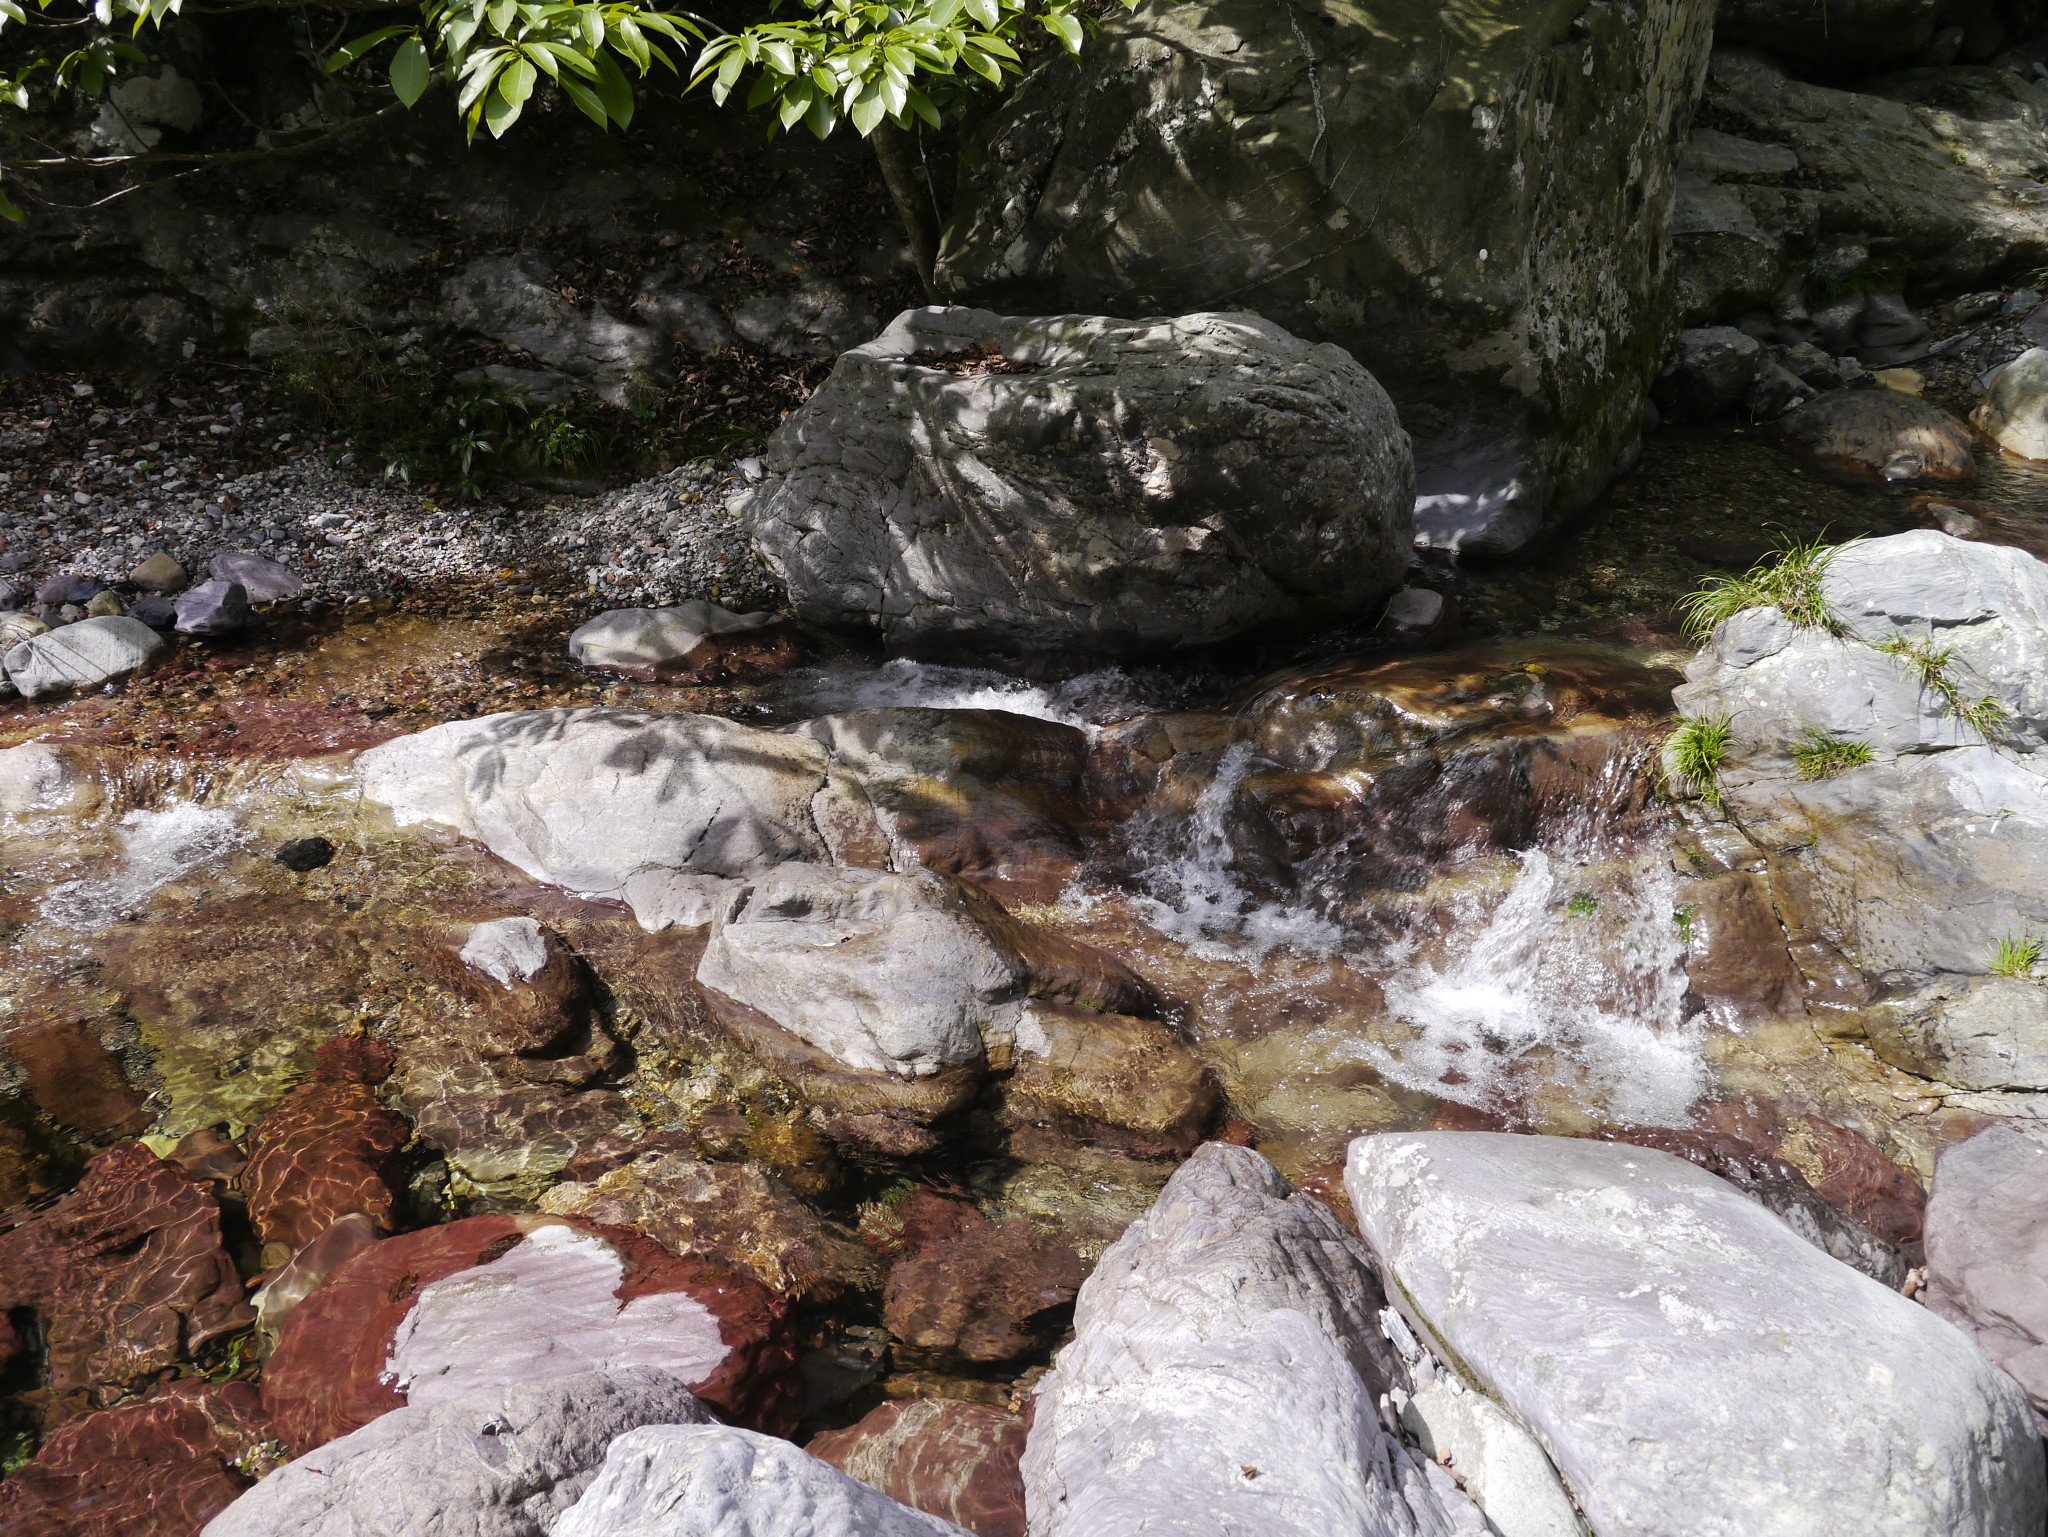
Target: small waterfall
[
  {"x": 1085, "y": 701},
  {"x": 1550, "y": 985},
  {"x": 157, "y": 847}
]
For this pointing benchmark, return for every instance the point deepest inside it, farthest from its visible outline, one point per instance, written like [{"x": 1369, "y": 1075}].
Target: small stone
[
  {"x": 1907, "y": 381},
  {"x": 16, "y": 628},
  {"x": 10, "y": 597},
  {"x": 70, "y": 613},
  {"x": 264, "y": 580},
  {"x": 155, "y": 610},
  {"x": 303, "y": 854},
  {"x": 104, "y": 605},
  {"x": 68, "y": 589},
  {"x": 159, "y": 573},
  {"x": 213, "y": 608}
]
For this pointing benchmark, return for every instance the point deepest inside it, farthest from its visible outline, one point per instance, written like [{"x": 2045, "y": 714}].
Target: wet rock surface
[
  {"x": 956, "y": 1461},
  {"x": 1984, "y": 1237}
]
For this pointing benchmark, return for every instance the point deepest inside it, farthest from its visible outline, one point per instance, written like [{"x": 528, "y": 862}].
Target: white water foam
[
  {"x": 157, "y": 847},
  {"x": 1085, "y": 701},
  {"x": 1191, "y": 894},
  {"x": 1601, "y": 991}
]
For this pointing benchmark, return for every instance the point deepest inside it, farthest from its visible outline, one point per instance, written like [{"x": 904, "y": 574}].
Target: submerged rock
[
  {"x": 681, "y": 1478},
  {"x": 1111, "y": 494},
  {"x": 498, "y": 1461},
  {"x": 688, "y": 643},
  {"x": 163, "y": 1467},
  {"x": 1987, "y": 1251},
  {"x": 1634, "y": 1312},
  {"x": 82, "y": 655},
  {"x": 1223, "y": 1377},
  {"x": 492, "y": 1301},
  {"x": 1879, "y": 435},
  {"x": 995, "y": 1292},
  {"x": 953, "y": 1460},
  {"x": 330, "y": 1148}
]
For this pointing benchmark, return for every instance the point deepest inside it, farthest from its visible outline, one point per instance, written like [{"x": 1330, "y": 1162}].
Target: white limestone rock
[
  {"x": 887, "y": 973},
  {"x": 714, "y": 1481},
  {"x": 1987, "y": 1251},
  {"x": 507, "y": 950},
  {"x": 82, "y": 655},
  {"x": 1690, "y": 1364},
  {"x": 1223, "y": 1378},
  {"x": 494, "y": 1462}
]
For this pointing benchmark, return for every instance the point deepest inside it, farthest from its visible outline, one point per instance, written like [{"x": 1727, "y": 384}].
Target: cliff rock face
[{"x": 1479, "y": 215}]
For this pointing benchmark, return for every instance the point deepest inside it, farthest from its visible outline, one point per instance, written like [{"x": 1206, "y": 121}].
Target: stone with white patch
[{"x": 507, "y": 950}]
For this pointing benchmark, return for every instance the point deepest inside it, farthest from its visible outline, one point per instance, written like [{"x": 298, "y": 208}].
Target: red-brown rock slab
[
  {"x": 953, "y": 1460},
  {"x": 992, "y": 1293},
  {"x": 328, "y": 1149},
  {"x": 912, "y": 1225},
  {"x": 1852, "y": 1174},
  {"x": 126, "y": 1276},
  {"x": 161, "y": 1468},
  {"x": 329, "y": 1374}
]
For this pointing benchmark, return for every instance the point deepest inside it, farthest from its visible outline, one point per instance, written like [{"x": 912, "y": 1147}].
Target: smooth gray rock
[
  {"x": 1445, "y": 202},
  {"x": 265, "y": 580},
  {"x": 1987, "y": 1251},
  {"x": 507, "y": 950},
  {"x": 1972, "y": 1032},
  {"x": 816, "y": 320},
  {"x": 505, "y": 298},
  {"x": 1223, "y": 1378},
  {"x": 81, "y": 655},
  {"x": 2014, "y": 412},
  {"x": 215, "y": 607},
  {"x": 1690, "y": 1364},
  {"x": 1709, "y": 376},
  {"x": 714, "y": 1481},
  {"x": 648, "y": 639},
  {"x": 497, "y": 1462},
  {"x": 1120, "y": 497},
  {"x": 664, "y": 812},
  {"x": 886, "y": 973},
  {"x": 1879, "y": 435}
]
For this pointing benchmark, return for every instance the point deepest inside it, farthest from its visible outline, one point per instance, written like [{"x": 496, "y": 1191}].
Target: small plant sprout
[
  {"x": 1789, "y": 581},
  {"x": 1693, "y": 755},
  {"x": 1683, "y": 918},
  {"x": 2016, "y": 955},
  {"x": 1822, "y": 754},
  {"x": 1933, "y": 667},
  {"x": 1583, "y": 904}
]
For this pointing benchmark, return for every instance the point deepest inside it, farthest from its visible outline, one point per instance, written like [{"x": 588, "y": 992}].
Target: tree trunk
[{"x": 913, "y": 202}]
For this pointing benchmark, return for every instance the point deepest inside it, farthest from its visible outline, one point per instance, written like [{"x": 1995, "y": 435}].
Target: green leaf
[
  {"x": 613, "y": 89},
  {"x": 782, "y": 56},
  {"x": 592, "y": 22},
  {"x": 348, "y": 52},
  {"x": 995, "y": 45},
  {"x": 516, "y": 84},
  {"x": 566, "y": 57},
  {"x": 1066, "y": 28},
  {"x": 764, "y": 90},
  {"x": 585, "y": 101},
  {"x": 796, "y": 101},
  {"x": 483, "y": 74},
  {"x": 411, "y": 70},
  {"x": 501, "y": 110},
  {"x": 987, "y": 12},
  {"x": 630, "y": 41},
  {"x": 921, "y": 104},
  {"x": 823, "y": 116},
  {"x": 982, "y": 65},
  {"x": 9, "y": 212},
  {"x": 867, "y": 113}
]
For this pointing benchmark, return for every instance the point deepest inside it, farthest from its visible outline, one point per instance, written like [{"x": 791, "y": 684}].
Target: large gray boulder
[
  {"x": 1141, "y": 486},
  {"x": 2014, "y": 413},
  {"x": 1799, "y": 189},
  {"x": 1987, "y": 1033},
  {"x": 1477, "y": 213},
  {"x": 664, "y": 812},
  {"x": 1950, "y": 828},
  {"x": 1987, "y": 1250},
  {"x": 687, "y": 1480},
  {"x": 82, "y": 655},
  {"x": 1691, "y": 1365},
  {"x": 494, "y": 1462},
  {"x": 1223, "y": 1378}
]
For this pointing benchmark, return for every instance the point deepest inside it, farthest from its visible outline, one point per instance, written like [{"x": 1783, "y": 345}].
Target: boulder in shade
[
  {"x": 1879, "y": 436},
  {"x": 953, "y": 1460},
  {"x": 670, "y": 1479},
  {"x": 1224, "y": 1376},
  {"x": 490, "y": 1301},
  {"x": 82, "y": 655},
  {"x": 1690, "y": 1364},
  {"x": 688, "y": 643},
  {"x": 1987, "y": 1250},
  {"x": 215, "y": 607},
  {"x": 1110, "y": 489},
  {"x": 2014, "y": 411},
  {"x": 265, "y": 580},
  {"x": 499, "y": 1461}
]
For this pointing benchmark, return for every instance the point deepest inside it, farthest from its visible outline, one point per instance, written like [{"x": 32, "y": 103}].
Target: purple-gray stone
[
  {"x": 263, "y": 579},
  {"x": 213, "y": 608}
]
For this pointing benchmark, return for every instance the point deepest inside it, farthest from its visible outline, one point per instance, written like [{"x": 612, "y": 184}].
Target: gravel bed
[{"x": 92, "y": 489}]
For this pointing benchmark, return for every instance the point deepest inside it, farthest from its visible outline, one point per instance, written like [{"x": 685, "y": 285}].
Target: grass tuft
[
  {"x": 2016, "y": 955},
  {"x": 1789, "y": 581},
  {"x": 1822, "y": 754},
  {"x": 1693, "y": 754},
  {"x": 1930, "y": 664}
]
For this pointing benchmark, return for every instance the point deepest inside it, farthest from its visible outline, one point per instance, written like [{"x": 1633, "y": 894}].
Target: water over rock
[
  {"x": 953, "y": 1460},
  {"x": 1879, "y": 435},
  {"x": 1223, "y": 1377},
  {"x": 995, "y": 1292},
  {"x": 687, "y": 643},
  {"x": 1476, "y": 245},
  {"x": 1109, "y": 490},
  {"x": 498, "y": 1461},
  {"x": 1633, "y": 1311}
]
